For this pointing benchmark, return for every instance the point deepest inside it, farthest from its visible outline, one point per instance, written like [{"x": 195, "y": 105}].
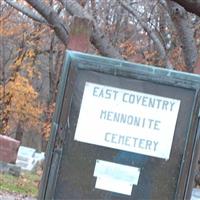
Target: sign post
[{"x": 122, "y": 131}]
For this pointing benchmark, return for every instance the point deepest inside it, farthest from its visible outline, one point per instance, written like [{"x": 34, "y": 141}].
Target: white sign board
[
  {"x": 127, "y": 120},
  {"x": 115, "y": 177}
]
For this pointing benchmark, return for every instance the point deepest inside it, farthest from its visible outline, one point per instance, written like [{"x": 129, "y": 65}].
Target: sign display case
[{"x": 122, "y": 131}]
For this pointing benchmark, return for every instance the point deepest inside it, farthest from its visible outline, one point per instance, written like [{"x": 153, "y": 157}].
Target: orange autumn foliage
[{"x": 23, "y": 106}]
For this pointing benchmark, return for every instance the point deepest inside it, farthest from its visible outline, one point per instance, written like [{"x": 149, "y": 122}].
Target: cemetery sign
[
  {"x": 122, "y": 131},
  {"x": 127, "y": 120}
]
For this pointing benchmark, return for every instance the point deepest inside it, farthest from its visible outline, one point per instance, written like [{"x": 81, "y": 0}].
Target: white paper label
[
  {"x": 113, "y": 185},
  {"x": 115, "y": 177},
  {"x": 127, "y": 120}
]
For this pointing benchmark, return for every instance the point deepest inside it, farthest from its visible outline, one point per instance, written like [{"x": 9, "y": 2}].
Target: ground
[
  {"x": 14, "y": 196},
  {"x": 24, "y": 187}
]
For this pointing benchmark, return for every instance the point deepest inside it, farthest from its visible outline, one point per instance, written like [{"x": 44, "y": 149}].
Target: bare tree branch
[
  {"x": 99, "y": 39},
  {"x": 185, "y": 32},
  {"x": 26, "y": 11},
  {"x": 152, "y": 33},
  {"x": 52, "y": 18},
  {"x": 5, "y": 17},
  {"x": 192, "y": 6}
]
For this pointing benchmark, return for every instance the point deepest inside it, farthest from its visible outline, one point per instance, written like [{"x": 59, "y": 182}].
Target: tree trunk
[
  {"x": 80, "y": 32},
  {"x": 19, "y": 132},
  {"x": 98, "y": 38},
  {"x": 185, "y": 33},
  {"x": 192, "y": 6}
]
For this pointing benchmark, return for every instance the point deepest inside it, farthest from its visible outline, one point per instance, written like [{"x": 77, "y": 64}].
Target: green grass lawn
[{"x": 26, "y": 183}]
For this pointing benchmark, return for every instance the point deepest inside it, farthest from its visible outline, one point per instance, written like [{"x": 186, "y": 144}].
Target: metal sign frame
[{"x": 75, "y": 61}]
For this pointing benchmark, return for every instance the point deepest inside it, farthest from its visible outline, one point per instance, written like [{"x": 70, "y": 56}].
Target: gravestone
[
  {"x": 28, "y": 158},
  {"x": 9, "y": 168},
  {"x": 8, "y": 149},
  {"x": 122, "y": 131},
  {"x": 195, "y": 194}
]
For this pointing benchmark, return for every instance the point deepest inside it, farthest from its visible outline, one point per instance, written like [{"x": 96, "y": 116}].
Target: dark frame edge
[
  {"x": 184, "y": 184},
  {"x": 195, "y": 154},
  {"x": 140, "y": 68},
  {"x": 44, "y": 184}
]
